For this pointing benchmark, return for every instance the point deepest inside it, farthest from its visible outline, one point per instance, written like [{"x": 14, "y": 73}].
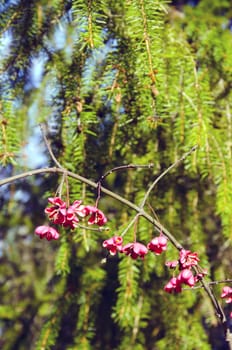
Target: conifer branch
[
  {"x": 134, "y": 41},
  {"x": 147, "y": 42}
]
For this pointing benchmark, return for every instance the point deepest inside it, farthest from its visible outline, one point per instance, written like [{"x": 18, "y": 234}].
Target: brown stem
[
  {"x": 47, "y": 143},
  {"x": 219, "y": 313}
]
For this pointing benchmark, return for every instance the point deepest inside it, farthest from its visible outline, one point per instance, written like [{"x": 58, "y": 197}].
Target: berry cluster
[
  {"x": 186, "y": 276},
  {"x": 135, "y": 249},
  {"x": 68, "y": 216},
  {"x": 227, "y": 294},
  {"x": 186, "y": 260},
  {"x": 59, "y": 213}
]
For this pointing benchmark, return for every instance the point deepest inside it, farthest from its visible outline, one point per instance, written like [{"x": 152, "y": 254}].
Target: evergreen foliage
[{"x": 122, "y": 82}]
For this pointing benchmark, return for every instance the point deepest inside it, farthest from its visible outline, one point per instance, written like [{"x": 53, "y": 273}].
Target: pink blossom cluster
[
  {"x": 186, "y": 261},
  {"x": 47, "y": 232},
  {"x": 68, "y": 216},
  {"x": 135, "y": 249},
  {"x": 227, "y": 294},
  {"x": 59, "y": 213}
]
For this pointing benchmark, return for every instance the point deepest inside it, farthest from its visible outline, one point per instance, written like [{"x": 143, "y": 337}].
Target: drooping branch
[
  {"x": 140, "y": 211},
  {"x": 119, "y": 198}
]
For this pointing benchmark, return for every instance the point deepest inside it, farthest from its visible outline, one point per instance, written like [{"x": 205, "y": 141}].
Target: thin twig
[
  {"x": 164, "y": 173},
  {"x": 211, "y": 283},
  {"x": 118, "y": 168},
  {"x": 152, "y": 187},
  {"x": 98, "y": 229},
  {"x": 67, "y": 190},
  {"x": 219, "y": 311},
  {"x": 60, "y": 187},
  {"x": 43, "y": 130},
  {"x": 129, "y": 225},
  {"x": 123, "y": 167}
]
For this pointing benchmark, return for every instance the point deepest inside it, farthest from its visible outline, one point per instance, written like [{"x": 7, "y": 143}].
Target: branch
[
  {"x": 211, "y": 283},
  {"x": 80, "y": 178},
  {"x": 139, "y": 210}
]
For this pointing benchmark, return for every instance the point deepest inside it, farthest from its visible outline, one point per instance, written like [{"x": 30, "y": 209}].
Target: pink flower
[
  {"x": 47, "y": 232},
  {"x": 172, "y": 264},
  {"x": 79, "y": 209},
  {"x": 57, "y": 212},
  {"x": 73, "y": 209},
  {"x": 135, "y": 250},
  {"x": 173, "y": 286},
  {"x": 186, "y": 277},
  {"x": 188, "y": 259},
  {"x": 113, "y": 244},
  {"x": 96, "y": 216},
  {"x": 71, "y": 219},
  {"x": 61, "y": 215},
  {"x": 200, "y": 275},
  {"x": 227, "y": 293},
  {"x": 158, "y": 244},
  {"x": 71, "y": 222}
]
